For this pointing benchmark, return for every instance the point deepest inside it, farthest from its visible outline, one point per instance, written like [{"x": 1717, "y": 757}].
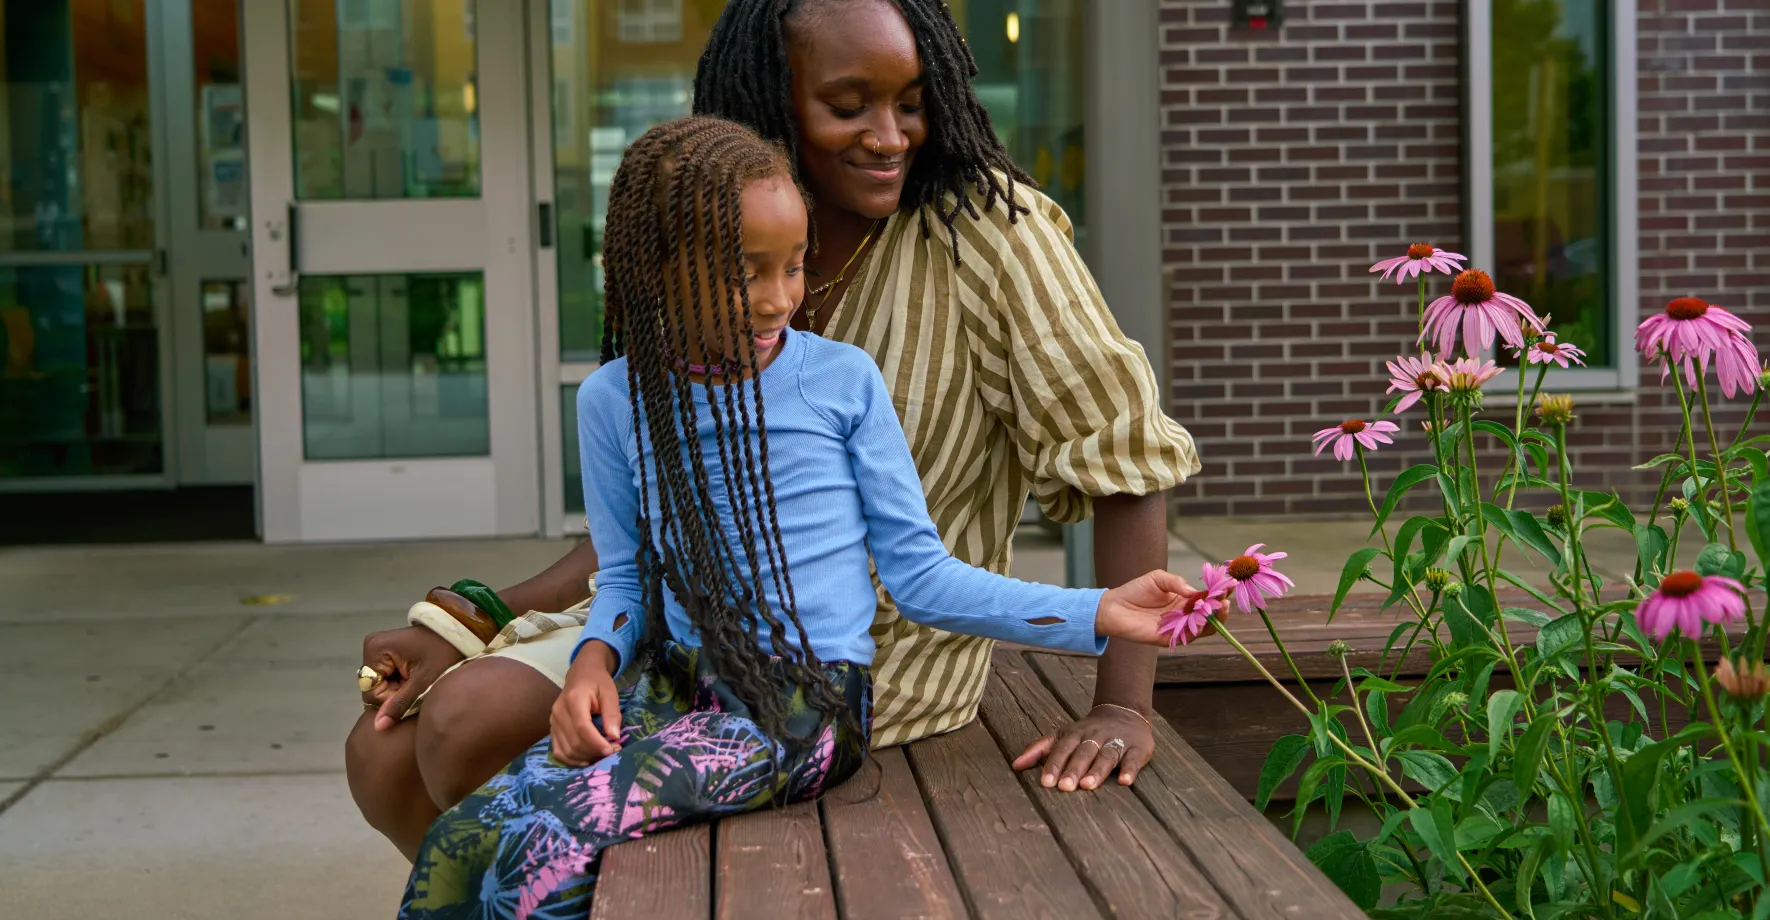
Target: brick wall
[{"x": 1295, "y": 159}]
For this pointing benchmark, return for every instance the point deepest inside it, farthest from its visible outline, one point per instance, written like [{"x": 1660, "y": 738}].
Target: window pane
[
  {"x": 227, "y": 359},
  {"x": 1551, "y": 166},
  {"x": 221, "y": 114},
  {"x": 1029, "y": 76},
  {"x": 393, "y": 366},
  {"x": 77, "y": 152},
  {"x": 385, "y": 99},
  {"x": 80, "y": 386},
  {"x": 568, "y": 443},
  {"x": 622, "y": 66}
]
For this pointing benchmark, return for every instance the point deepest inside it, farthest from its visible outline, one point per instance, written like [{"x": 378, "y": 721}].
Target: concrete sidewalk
[{"x": 169, "y": 749}]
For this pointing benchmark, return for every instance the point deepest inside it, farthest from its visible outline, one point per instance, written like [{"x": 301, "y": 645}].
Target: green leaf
[
  {"x": 1610, "y": 508},
  {"x": 1757, "y": 521},
  {"x": 1529, "y": 589},
  {"x": 1527, "y": 871},
  {"x": 1674, "y": 819},
  {"x": 1465, "y": 631},
  {"x": 1638, "y": 794},
  {"x": 1651, "y": 544},
  {"x": 1660, "y": 460},
  {"x": 1356, "y": 565},
  {"x": 1433, "y": 771},
  {"x": 1561, "y": 633},
  {"x": 1525, "y": 615},
  {"x": 1713, "y": 559},
  {"x": 1541, "y": 457},
  {"x": 1523, "y": 528},
  {"x": 1409, "y": 478},
  {"x": 1436, "y": 828},
  {"x": 1309, "y": 787},
  {"x": 1342, "y": 858},
  {"x": 1447, "y": 440},
  {"x": 1529, "y": 755},
  {"x": 1387, "y": 686},
  {"x": 1562, "y": 819},
  {"x": 1502, "y": 707},
  {"x": 1285, "y": 757}
]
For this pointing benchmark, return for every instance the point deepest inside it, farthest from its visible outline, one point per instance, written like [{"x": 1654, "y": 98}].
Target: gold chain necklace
[{"x": 823, "y": 291}]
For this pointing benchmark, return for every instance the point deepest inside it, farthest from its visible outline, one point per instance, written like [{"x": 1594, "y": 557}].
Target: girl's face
[
  {"x": 774, "y": 243},
  {"x": 857, "y": 101}
]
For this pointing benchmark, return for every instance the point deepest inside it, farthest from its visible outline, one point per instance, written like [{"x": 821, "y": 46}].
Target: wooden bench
[{"x": 942, "y": 828}]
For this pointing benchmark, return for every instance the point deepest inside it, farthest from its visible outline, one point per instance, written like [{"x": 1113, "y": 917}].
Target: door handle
[
  {"x": 545, "y": 229},
  {"x": 292, "y": 226}
]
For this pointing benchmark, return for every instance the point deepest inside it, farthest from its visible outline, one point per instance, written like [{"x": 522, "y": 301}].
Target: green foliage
[{"x": 1533, "y": 770}]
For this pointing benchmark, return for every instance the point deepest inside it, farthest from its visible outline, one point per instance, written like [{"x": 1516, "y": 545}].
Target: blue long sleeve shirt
[{"x": 845, "y": 486}]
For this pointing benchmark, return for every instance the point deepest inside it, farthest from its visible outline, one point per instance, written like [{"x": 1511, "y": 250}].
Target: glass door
[{"x": 392, "y": 269}]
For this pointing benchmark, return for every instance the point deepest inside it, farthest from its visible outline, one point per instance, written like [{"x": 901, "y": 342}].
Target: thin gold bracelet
[{"x": 1127, "y": 709}]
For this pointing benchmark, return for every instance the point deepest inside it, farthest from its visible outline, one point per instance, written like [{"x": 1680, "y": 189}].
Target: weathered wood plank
[
  {"x": 667, "y": 876},
  {"x": 1124, "y": 853},
  {"x": 887, "y": 859},
  {"x": 772, "y": 865},
  {"x": 1008, "y": 863},
  {"x": 1256, "y": 869}
]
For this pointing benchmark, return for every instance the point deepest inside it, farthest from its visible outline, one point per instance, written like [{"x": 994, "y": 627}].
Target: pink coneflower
[
  {"x": 1481, "y": 312},
  {"x": 1693, "y": 333},
  {"x": 1413, "y": 376},
  {"x": 1256, "y": 580},
  {"x": 1343, "y": 435},
  {"x": 1421, "y": 258},
  {"x": 1182, "y": 625},
  {"x": 1466, "y": 375},
  {"x": 1686, "y": 600},
  {"x": 1549, "y": 351}
]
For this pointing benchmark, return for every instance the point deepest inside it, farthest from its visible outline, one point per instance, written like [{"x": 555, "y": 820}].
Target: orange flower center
[
  {"x": 1548, "y": 347},
  {"x": 1472, "y": 287},
  {"x": 1427, "y": 380},
  {"x": 1686, "y": 308},
  {"x": 1242, "y": 568},
  {"x": 1680, "y": 584},
  {"x": 1420, "y": 251},
  {"x": 1352, "y": 425}
]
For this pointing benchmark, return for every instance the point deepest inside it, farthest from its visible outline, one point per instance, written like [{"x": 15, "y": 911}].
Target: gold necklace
[{"x": 823, "y": 291}]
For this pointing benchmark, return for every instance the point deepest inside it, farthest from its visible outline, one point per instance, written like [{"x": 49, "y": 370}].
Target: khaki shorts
[{"x": 543, "y": 641}]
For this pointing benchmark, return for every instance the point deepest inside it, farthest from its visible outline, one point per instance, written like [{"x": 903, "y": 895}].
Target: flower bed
[{"x": 1542, "y": 806}]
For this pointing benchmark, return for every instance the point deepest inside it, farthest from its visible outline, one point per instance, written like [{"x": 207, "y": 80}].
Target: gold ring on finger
[
  {"x": 367, "y": 678},
  {"x": 1093, "y": 742}
]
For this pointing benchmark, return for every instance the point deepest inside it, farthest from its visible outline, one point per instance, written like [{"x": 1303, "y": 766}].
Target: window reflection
[
  {"x": 227, "y": 358},
  {"x": 221, "y": 115},
  {"x": 622, "y": 66},
  {"x": 1551, "y": 159}
]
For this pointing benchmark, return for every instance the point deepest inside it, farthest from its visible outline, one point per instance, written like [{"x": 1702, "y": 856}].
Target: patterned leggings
[{"x": 525, "y": 845}]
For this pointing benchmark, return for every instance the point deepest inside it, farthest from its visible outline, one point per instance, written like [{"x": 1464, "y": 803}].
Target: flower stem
[
  {"x": 1285, "y": 653},
  {"x": 1690, "y": 425},
  {"x": 1708, "y": 420},
  {"x": 1747, "y": 782},
  {"x": 1492, "y": 592},
  {"x": 1351, "y": 755}
]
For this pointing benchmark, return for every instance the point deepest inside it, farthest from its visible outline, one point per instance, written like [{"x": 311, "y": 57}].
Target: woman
[{"x": 935, "y": 255}]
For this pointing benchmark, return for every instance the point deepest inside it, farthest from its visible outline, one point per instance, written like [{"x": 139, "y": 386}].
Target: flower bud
[
  {"x": 1557, "y": 516},
  {"x": 1338, "y": 649},
  {"x": 1453, "y": 589},
  {"x": 1764, "y": 377},
  {"x": 1555, "y": 410},
  {"x": 1450, "y": 702},
  {"x": 1680, "y": 504},
  {"x": 1437, "y": 579},
  {"x": 1742, "y": 682}
]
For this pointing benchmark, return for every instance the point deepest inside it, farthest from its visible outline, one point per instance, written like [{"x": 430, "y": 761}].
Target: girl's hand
[
  {"x": 1133, "y": 610},
  {"x": 589, "y": 691}
]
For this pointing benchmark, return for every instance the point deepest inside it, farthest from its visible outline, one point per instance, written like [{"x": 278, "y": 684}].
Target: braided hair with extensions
[
  {"x": 674, "y": 245},
  {"x": 743, "y": 75}
]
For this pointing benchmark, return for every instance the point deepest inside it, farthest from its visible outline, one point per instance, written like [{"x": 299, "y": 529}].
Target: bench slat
[
  {"x": 666, "y": 876},
  {"x": 1007, "y": 860},
  {"x": 1129, "y": 858},
  {"x": 1255, "y": 867},
  {"x": 887, "y": 859},
  {"x": 772, "y": 865}
]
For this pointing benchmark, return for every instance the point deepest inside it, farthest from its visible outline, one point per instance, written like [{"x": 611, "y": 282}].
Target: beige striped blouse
[{"x": 1010, "y": 376}]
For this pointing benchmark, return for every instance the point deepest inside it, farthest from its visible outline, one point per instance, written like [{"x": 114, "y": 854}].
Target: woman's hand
[
  {"x": 409, "y": 660},
  {"x": 1087, "y": 751},
  {"x": 1133, "y": 610},
  {"x": 589, "y": 692}
]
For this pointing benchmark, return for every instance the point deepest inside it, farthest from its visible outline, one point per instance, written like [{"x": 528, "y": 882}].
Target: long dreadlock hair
[
  {"x": 743, "y": 75},
  {"x": 674, "y": 245}
]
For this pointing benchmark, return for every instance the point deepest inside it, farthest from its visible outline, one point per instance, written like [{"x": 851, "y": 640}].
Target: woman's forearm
[
  {"x": 1130, "y": 539},
  {"x": 558, "y": 587}
]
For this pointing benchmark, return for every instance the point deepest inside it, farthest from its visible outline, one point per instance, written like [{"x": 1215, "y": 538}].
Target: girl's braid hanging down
[
  {"x": 743, "y": 75},
  {"x": 673, "y": 245}
]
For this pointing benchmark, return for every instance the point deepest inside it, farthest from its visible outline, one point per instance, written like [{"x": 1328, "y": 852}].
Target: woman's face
[
  {"x": 774, "y": 244},
  {"x": 857, "y": 100}
]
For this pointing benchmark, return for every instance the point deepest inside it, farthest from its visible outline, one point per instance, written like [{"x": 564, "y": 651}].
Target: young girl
[{"x": 735, "y": 546}]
